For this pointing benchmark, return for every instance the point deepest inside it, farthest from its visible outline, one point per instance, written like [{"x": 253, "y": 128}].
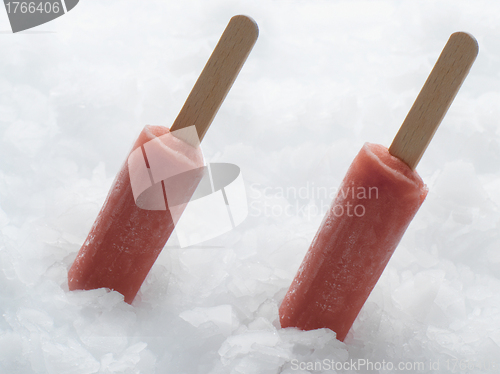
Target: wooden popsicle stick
[
  {"x": 434, "y": 98},
  {"x": 218, "y": 75}
]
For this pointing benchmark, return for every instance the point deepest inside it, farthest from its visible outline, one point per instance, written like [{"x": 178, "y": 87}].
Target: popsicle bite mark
[
  {"x": 435, "y": 98},
  {"x": 218, "y": 75}
]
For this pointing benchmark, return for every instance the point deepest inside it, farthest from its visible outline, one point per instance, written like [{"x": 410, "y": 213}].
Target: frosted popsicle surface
[
  {"x": 125, "y": 240},
  {"x": 376, "y": 202}
]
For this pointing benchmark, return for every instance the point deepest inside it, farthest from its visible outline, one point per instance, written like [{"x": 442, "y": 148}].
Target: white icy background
[{"x": 323, "y": 78}]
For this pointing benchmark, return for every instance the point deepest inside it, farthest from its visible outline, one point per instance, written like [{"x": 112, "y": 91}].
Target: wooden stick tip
[
  {"x": 247, "y": 21},
  {"x": 466, "y": 38}
]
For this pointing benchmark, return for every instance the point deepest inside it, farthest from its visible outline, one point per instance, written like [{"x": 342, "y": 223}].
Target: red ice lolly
[
  {"x": 376, "y": 202},
  {"x": 125, "y": 239}
]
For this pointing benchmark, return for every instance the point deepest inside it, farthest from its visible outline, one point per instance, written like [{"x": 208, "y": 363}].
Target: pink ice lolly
[
  {"x": 126, "y": 239},
  {"x": 376, "y": 202}
]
